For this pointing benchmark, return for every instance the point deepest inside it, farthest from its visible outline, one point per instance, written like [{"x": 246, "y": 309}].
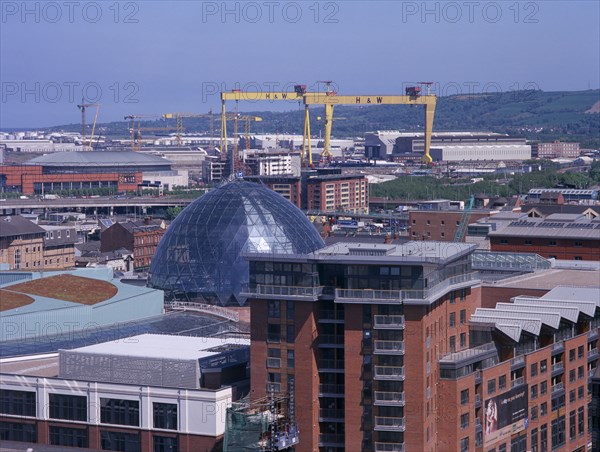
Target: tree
[{"x": 172, "y": 212}]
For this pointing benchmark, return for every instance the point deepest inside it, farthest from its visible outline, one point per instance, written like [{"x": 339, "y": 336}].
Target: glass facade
[{"x": 201, "y": 254}]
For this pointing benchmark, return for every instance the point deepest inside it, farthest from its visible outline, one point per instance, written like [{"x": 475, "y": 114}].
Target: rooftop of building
[
  {"x": 533, "y": 315},
  {"x": 577, "y": 228},
  {"x": 548, "y": 279},
  {"x": 98, "y": 158},
  {"x": 166, "y": 346},
  {"x": 564, "y": 191},
  {"x": 413, "y": 251},
  {"x": 16, "y": 225}
]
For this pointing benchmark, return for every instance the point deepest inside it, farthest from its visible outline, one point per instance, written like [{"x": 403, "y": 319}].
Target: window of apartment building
[
  {"x": 544, "y": 438},
  {"x": 15, "y": 431},
  {"x": 572, "y": 396},
  {"x": 578, "y": 244},
  {"x": 544, "y": 409},
  {"x": 571, "y": 375},
  {"x": 273, "y": 333},
  {"x": 464, "y": 396},
  {"x": 580, "y": 392},
  {"x": 452, "y": 297},
  {"x": 533, "y": 369},
  {"x": 577, "y": 258},
  {"x": 543, "y": 366},
  {"x": 72, "y": 437},
  {"x": 534, "y": 391},
  {"x": 463, "y": 340},
  {"x": 572, "y": 355},
  {"x": 165, "y": 415},
  {"x": 463, "y": 294},
  {"x": 290, "y": 310},
  {"x": 463, "y": 316},
  {"x": 491, "y": 386},
  {"x": 442, "y": 234},
  {"x": 119, "y": 441},
  {"x": 580, "y": 372},
  {"x": 428, "y": 222},
  {"x": 572, "y": 427},
  {"x": 452, "y": 321},
  {"x": 121, "y": 412},
  {"x": 414, "y": 221},
  {"x": 552, "y": 243},
  {"x": 274, "y": 309},
  {"x": 464, "y": 420},
  {"x": 558, "y": 432},
  {"x": 502, "y": 448},
  {"x": 290, "y": 334},
  {"x": 580, "y": 421},
  {"x": 274, "y": 358},
  {"x": 534, "y": 440},
  {"x": 452, "y": 344},
  {"x": 558, "y": 402},
  {"x": 580, "y": 351},
  {"x": 504, "y": 241},
  {"x": 291, "y": 359},
  {"x": 69, "y": 407},
  {"x": 528, "y": 242},
  {"x": 502, "y": 382},
  {"x": 534, "y": 413},
  {"x": 464, "y": 444},
  {"x": 164, "y": 444},
  {"x": 19, "y": 403}
]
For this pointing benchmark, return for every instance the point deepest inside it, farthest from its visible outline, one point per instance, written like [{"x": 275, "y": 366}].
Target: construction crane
[
  {"x": 94, "y": 125},
  {"x": 179, "y": 123},
  {"x": 83, "y": 107},
  {"x": 464, "y": 221},
  {"x": 412, "y": 96},
  {"x": 236, "y": 158},
  {"x": 136, "y": 136}
]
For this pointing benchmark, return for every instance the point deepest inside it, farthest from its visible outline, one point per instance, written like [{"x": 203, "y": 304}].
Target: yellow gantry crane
[
  {"x": 329, "y": 99},
  {"x": 239, "y": 95},
  {"x": 412, "y": 96}
]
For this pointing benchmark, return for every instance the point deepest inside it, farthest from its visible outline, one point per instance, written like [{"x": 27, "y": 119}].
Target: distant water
[{"x": 173, "y": 323}]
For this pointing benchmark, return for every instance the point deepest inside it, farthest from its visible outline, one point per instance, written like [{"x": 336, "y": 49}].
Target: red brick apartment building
[
  {"x": 289, "y": 187},
  {"x": 337, "y": 192},
  {"x": 388, "y": 348},
  {"x": 564, "y": 236},
  {"x": 141, "y": 237},
  {"x": 439, "y": 225}
]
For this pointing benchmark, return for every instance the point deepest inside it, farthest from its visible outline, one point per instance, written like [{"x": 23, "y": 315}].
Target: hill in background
[{"x": 560, "y": 115}]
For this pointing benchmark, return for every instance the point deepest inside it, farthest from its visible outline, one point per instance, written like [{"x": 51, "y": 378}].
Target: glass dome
[{"x": 200, "y": 255}]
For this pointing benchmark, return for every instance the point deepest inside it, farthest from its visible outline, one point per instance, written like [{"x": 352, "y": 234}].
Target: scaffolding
[{"x": 261, "y": 425}]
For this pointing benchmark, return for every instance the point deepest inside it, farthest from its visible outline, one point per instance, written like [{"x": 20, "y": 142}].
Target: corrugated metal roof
[
  {"x": 549, "y": 319},
  {"x": 591, "y": 294},
  {"x": 532, "y": 326},
  {"x": 570, "y": 313}
]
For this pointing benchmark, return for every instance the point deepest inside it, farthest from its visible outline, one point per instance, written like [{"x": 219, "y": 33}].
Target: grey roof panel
[
  {"x": 547, "y": 318},
  {"x": 586, "y": 307},
  {"x": 16, "y": 225},
  {"x": 532, "y": 326},
  {"x": 575, "y": 293},
  {"x": 570, "y": 313},
  {"x": 98, "y": 158}
]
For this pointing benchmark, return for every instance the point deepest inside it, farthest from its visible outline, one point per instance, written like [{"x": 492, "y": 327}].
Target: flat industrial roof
[
  {"x": 413, "y": 249},
  {"x": 549, "y": 279},
  {"x": 164, "y": 346}
]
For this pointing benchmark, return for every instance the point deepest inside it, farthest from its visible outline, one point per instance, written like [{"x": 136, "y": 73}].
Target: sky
[{"x": 154, "y": 57}]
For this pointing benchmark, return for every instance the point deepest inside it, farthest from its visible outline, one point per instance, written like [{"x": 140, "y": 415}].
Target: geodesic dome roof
[{"x": 201, "y": 254}]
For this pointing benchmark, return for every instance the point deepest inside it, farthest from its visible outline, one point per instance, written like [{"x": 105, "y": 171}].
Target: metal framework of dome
[{"x": 201, "y": 256}]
